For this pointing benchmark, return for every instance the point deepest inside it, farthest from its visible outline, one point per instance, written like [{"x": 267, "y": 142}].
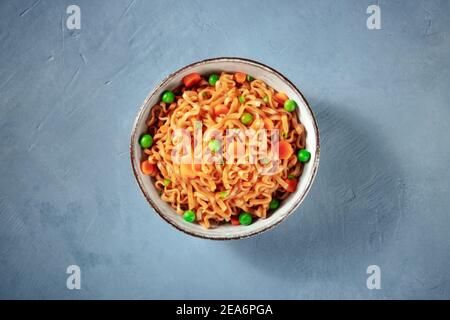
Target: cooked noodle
[{"x": 218, "y": 191}]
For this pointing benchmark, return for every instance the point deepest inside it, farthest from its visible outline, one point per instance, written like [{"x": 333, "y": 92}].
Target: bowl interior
[{"x": 273, "y": 79}]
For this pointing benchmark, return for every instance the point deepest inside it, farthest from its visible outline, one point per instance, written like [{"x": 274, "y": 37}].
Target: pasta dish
[{"x": 224, "y": 148}]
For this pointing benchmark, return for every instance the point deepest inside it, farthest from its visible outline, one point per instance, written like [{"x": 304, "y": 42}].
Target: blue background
[{"x": 68, "y": 99}]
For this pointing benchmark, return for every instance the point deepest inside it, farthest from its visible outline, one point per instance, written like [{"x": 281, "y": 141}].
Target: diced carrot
[
  {"x": 280, "y": 97},
  {"x": 148, "y": 168},
  {"x": 285, "y": 150},
  {"x": 268, "y": 124},
  {"x": 235, "y": 220},
  {"x": 220, "y": 109},
  {"x": 192, "y": 79},
  {"x": 240, "y": 77},
  {"x": 292, "y": 185}
]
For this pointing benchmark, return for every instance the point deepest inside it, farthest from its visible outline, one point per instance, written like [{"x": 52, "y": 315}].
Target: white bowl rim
[{"x": 315, "y": 164}]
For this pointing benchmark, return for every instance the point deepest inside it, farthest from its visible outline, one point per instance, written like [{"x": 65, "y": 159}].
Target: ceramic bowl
[{"x": 259, "y": 71}]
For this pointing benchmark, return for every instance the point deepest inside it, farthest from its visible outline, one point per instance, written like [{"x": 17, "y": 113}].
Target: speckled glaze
[{"x": 274, "y": 79}]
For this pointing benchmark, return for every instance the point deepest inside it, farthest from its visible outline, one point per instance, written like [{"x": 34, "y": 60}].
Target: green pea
[
  {"x": 245, "y": 218},
  {"x": 246, "y": 118},
  {"x": 189, "y": 216},
  {"x": 166, "y": 182},
  {"x": 303, "y": 155},
  {"x": 213, "y": 79},
  {"x": 274, "y": 204},
  {"x": 250, "y": 78},
  {"x": 241, "y": 99},
  {"x": 214, "y": 145},
  {"x": 223, "y": 194},
  {"x": 290, "y": 105},
  {"x": 266, "y": 99},
  {"x": 168, "y": 97},
  {"x": 291, "y": 177},
  {"x": 146, "y": 141}
]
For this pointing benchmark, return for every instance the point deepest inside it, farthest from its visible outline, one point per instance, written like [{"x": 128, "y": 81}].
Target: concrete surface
[{"x": 67, "y": 194}]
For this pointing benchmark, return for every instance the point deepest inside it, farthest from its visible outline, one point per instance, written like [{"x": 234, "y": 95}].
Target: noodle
[{"x": 218, "y": 191}]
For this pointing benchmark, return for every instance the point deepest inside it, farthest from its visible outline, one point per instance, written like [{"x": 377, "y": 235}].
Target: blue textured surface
[{"x": 68, "y": 196}]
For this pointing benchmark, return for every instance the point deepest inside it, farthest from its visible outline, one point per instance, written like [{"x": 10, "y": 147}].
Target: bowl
[{"x": 274, "y": 79}]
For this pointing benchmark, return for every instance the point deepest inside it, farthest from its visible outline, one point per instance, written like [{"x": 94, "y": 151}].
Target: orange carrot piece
[
  {"x": 148, "y": 168},
  {"x": 268, "y": 124},
  {"x": 235, "y": 220},
  {"x": 292, "y": 185},
  {"x": 280, "y": 97},
  {"x": 192, "y": 79},
  {"x": 240, "y": 77},
  {"x": 220, "y": 109},
  {"x": 285, "y": 150}
]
